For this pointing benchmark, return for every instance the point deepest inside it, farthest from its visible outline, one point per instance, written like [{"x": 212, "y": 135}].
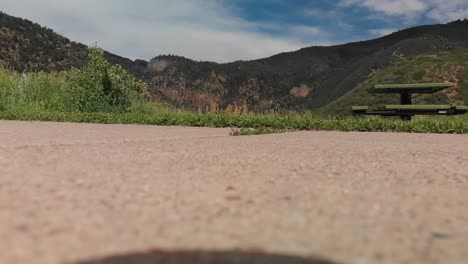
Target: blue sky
[
  {"x": 343, "y": 21},
  {"x": 228, "y": 30}
]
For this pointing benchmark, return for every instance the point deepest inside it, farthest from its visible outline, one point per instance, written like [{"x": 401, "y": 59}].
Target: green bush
[{"x": 101, "y": 87}]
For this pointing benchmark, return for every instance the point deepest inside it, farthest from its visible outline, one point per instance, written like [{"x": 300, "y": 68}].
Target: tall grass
[
  {"x": 98, "y": 87},
  {"x": 35, "y": 91}
]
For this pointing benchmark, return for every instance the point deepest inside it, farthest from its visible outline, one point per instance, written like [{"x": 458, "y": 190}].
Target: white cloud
[
  {"x": 437, "y": 10},
  {"x": 448, "y": 10},
  {"x": 345, "y": 26},
  {"x": 390, "y": 7},
  {"x": 381, "y": 31},
  {"x": 306, "y": 31},
  {"x": 198, "y": 29},
  {"x": 313, "y": 12},
  {"x": 211, "y": 29}
]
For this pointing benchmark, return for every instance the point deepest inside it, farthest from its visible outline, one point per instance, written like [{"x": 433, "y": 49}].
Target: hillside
[
  {"x": 27, "y": 46},
  {"x": 309, "y": 78},
  {"x": 451, "y": 66},
  {"x": 306, "y": 79}
]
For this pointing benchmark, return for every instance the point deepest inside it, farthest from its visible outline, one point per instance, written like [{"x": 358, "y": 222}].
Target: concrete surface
[{"x": 72, "y": 193}]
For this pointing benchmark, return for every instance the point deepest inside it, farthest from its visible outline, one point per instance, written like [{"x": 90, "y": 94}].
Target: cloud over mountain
[
  {"x": 228, "y": 30},
  {"x": 437, "y": 10},
  {"x": 199, "y": 29}
]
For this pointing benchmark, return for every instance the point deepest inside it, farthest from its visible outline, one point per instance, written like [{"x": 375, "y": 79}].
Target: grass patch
[
  {"x": 260, "y": 123},
  {"x": 256, "y": 131}
]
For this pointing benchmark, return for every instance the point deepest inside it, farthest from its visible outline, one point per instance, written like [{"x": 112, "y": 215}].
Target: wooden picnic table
[
  {"x": 406, "y": 109},
  {"x": 407, "y": 90}
]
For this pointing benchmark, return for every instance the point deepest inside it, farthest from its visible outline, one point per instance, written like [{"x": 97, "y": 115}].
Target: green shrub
[{"x": 102, "y": 87}]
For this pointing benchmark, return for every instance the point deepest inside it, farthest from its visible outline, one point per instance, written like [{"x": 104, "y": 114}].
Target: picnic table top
[
  {"x": 418, "y": 107},
  {"x": 411, "y": 88}
]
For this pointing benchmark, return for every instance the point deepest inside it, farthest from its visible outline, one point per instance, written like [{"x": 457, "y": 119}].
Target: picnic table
[{"x": 406, "y": 110}]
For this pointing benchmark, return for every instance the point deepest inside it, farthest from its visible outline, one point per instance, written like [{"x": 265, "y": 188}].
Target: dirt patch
[
  {"x": 301, "y": 91},
  {"x": 201, "y": 100},
  {"x": 447, "y": 74},
  {"x": 158, "y": 66}
]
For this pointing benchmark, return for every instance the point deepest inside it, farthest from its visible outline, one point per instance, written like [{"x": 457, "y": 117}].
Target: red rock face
[
  {"x": 158, "y": 66},
  {"x": 301, "y": 91},
  {"x": 200, "y": 100}
]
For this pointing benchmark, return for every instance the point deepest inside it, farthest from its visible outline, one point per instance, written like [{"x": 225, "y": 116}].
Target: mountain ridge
[{"x": 334, "y": 70}]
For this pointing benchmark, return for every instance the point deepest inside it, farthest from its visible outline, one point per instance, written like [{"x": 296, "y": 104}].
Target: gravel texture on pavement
[{"x": 85, "y": 193}]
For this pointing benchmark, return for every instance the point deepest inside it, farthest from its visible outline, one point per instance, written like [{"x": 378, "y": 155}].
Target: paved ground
[{"x": 76, "y": 193}]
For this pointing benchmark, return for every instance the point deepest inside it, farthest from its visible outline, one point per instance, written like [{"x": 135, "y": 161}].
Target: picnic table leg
[{"x": 406, "y": 100}]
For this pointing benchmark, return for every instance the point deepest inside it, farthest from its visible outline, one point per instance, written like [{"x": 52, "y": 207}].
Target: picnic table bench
[{"x": 406, "y": 110}]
